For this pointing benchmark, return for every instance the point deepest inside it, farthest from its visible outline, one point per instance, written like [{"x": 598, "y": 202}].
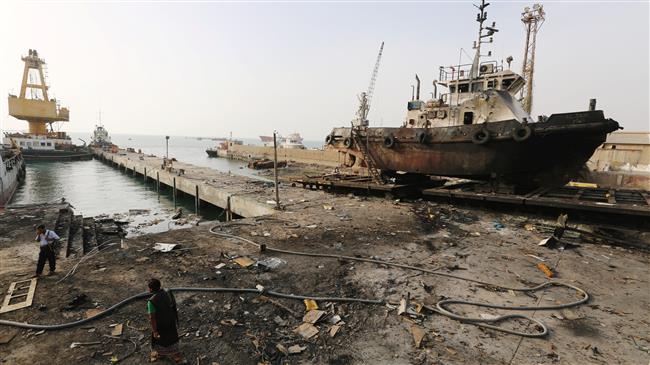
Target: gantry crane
[
  {"x": 533, "y": 20},
  {"x": 39, "y": 109}
]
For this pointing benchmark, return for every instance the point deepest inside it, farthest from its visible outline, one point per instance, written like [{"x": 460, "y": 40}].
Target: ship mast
[
  {"x": 533, "y": 20},
  {"x": 481, "y": 18}
]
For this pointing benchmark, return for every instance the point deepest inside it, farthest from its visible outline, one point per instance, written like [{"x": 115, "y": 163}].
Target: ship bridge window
[
  {"x": 491, "y": 84},
  {"x": 49, "y": 144},
  {"x": 477, "y": 86},
  {"x": 22, "y": 143},
  {"x": 463, "y": 88},
  {"x": 42, "y": 143},
  {"x": 452, "y": 89},
  {"x": 506, "y": 83}
]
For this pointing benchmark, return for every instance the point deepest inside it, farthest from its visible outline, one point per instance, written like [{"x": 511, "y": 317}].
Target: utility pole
[
  {"x": 167, "y": 147},
  {"x": 275, "y": 170},
  {"x": 533, "y": 20}
]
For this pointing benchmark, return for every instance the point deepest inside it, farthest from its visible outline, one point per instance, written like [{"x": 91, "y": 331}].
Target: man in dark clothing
[
  {"x": 164, "y": 323},
  {"x": 47, "y": 240}
]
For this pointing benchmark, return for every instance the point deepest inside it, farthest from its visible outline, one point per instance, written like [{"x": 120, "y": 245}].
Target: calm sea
[{"x": 94, "y": 188}]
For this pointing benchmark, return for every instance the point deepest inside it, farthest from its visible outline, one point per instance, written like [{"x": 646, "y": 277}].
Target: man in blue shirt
[{"x": 46, "y": 239}]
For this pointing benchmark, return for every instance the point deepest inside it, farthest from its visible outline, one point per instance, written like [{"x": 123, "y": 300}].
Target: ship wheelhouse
[{"x": 466, "y": 100}]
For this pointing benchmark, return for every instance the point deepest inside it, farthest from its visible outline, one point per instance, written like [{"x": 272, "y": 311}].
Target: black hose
[
  {"x": 441, "y": 307},
  {"x": 116, "y": 306}
]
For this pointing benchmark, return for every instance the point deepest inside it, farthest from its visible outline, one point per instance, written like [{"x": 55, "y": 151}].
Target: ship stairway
[{"x": 374, "y": 173}]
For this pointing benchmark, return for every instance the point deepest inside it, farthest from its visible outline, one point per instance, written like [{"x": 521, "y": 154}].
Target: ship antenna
[{"x": 481, "y": 18}]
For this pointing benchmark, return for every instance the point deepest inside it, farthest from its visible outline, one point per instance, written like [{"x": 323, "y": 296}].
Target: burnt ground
[{"x": 613, "y": 327}]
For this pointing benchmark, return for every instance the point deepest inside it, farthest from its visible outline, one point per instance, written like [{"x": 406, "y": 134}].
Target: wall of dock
[{"x": 244, "y": 205}]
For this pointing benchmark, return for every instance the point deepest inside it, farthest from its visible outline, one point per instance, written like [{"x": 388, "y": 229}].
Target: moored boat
[{"x": 12, "y": 171}]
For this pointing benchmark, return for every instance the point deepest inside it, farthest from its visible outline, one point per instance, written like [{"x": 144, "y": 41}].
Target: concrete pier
[{"x": 236, "y": 194}]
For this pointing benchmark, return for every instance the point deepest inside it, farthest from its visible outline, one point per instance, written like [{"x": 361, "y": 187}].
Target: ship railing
[
  {"x": 460, "y": 72},
  {"x": 12, "y": 161}
]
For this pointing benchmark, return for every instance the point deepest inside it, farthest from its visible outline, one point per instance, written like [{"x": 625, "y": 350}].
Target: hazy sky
[{"x": 211, "y": 68}]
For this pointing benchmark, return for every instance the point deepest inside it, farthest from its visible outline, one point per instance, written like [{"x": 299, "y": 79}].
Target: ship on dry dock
[
  {"x": 479, "y": 128},
  {"x": 35, "y": 106}
]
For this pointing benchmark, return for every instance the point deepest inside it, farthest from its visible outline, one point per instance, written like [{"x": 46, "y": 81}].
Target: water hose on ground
[{"x": 441, "y": 307}]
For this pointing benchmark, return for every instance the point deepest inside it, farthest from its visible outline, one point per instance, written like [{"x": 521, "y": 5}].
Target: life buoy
[
  {"x": 421, "y": 137},
  {"x": 329, "y": 139},
  {"x": 521, "y": 133},
  {"x": 389, "y": 141},
  {"x": 347, "y": 142},
  {"x": 481, "y": 136}
]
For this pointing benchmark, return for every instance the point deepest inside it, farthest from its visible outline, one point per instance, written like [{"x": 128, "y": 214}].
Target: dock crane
[
  {"x": 361, "y": 122},
  {"x": 533, "y": 20},
  {"x": 366, "y": 97}
]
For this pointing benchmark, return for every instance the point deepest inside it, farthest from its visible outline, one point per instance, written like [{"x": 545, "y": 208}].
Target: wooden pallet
[{"x": 18, "y": 290}]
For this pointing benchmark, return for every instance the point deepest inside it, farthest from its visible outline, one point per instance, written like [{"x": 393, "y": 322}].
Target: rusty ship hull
[{"x": 551, "y": 154}]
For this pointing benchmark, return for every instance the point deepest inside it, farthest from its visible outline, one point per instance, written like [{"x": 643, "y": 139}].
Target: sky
[{"x": 211, "y": 68}]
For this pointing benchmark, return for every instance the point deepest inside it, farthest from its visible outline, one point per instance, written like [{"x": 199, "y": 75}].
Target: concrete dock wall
[
  {"x": 320, "y": 157},
  {"x": 236, "y": 194}
]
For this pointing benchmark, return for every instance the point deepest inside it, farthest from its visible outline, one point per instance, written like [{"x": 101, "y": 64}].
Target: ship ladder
[{"x": 376, "y": 176}]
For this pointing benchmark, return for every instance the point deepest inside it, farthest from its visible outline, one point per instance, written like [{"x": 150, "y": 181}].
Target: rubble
[{"x": 255, "y": 328}]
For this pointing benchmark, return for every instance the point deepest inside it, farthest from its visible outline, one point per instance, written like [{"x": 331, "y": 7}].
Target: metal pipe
[
  {"x": 158, "y": 183},
  {"x": 435, "y": 89},
  {"x": 417, "y": 88},
  {"x": 592, "y": 105}
]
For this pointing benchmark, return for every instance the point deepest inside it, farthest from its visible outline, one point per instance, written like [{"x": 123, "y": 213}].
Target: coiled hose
[{"x": 440, "y": 308}]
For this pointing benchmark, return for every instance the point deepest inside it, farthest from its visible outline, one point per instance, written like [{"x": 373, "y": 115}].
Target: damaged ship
[{"x": 478, "y": 129}]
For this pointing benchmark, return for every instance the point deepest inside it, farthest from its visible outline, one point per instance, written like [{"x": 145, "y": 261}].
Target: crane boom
[
  {"x": 533, "y": 20},
  {"x": 366, "y": 97}
]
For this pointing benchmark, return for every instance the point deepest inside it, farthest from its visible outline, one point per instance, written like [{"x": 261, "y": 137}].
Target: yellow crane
[{"x": 38, "y": 110}]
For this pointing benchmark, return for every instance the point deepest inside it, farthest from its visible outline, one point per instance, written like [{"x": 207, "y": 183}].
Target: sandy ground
[{"x": 612, "y": 328}]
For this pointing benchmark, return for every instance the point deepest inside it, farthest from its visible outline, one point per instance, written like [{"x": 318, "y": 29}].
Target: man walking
[
  {"x": 47, "y": 239},
  {"x": 163, "y": 316}
]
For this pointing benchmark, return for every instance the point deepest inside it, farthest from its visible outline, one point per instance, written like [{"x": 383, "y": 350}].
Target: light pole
[
  {"x": 167, "y": 147},
  {"x": 275, "y": 170}
]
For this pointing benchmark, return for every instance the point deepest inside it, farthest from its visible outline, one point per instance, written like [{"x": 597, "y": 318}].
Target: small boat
[
  {"x": 264, "y": 164},
  {"x": 221, "y": 150}
]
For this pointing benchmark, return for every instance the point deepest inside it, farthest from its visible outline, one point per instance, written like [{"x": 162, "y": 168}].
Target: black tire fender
[
  {"x": 521, "y": 133},
  {"x": 389, "y": 141},
  {"x": 329, "y": 139},
  {"x": 347, "y": 142},
  {"x": 421, "y": 137},
  {"x": 481, "y": 136}
]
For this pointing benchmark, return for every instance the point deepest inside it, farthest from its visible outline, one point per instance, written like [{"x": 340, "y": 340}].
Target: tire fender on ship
[
  {"x": 389, "y": 141},
  {"x": 421, "y": 137},
  {"x": 481, "y": 136},
  {"x": 347, "y": 142},
  {"x": 521, "y": 133}
]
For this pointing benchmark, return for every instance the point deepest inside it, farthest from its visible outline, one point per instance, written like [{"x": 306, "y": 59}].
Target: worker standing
[
  {"x": 47, "y": 240},
  {"x": 163, "y": 316}
]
